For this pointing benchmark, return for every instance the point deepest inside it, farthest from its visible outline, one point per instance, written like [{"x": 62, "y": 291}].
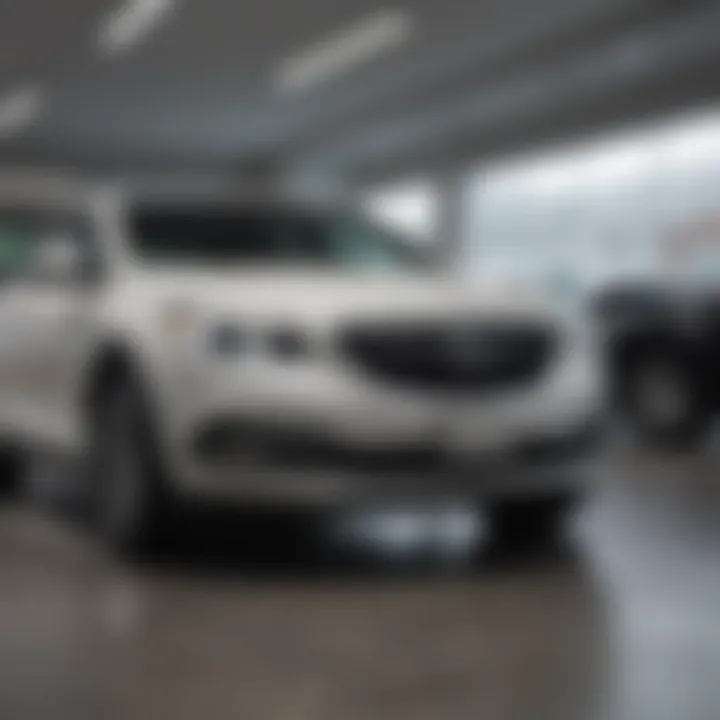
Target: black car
[{"x": 662, "y": 346}]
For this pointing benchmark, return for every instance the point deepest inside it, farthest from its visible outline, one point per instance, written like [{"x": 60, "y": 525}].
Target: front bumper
[
  {"x": 242, "y": 459},
  {"x": 324, "y": 432}
]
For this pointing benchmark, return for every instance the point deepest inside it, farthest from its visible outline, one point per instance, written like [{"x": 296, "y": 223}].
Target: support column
[{"x": 451, "y": 224}]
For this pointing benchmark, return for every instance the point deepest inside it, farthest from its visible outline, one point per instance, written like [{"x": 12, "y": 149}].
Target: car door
[{"x": 56, "y": 304}]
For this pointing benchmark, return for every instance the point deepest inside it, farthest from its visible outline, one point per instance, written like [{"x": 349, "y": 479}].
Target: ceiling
[{"x": 476, "y": 77}]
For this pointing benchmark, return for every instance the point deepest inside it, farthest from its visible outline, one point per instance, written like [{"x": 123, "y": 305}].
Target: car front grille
[{"x": 450, "y": 355}]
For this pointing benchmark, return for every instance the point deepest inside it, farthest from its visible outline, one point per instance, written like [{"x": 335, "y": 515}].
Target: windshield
[{"x": 265, "y": 236}]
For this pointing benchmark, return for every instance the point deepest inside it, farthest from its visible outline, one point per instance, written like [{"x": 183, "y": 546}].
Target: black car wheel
[
  {"x": 129, "y": 496},
  {"x": 11, "y": 470},
  {"x": 531, "y": 519},
  {"x": 663, "y": 401}
]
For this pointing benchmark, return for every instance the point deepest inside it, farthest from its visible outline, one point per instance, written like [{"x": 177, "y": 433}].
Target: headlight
[
  {"x": 228, "y": 340},
  {"x": 288, "y": 344}
]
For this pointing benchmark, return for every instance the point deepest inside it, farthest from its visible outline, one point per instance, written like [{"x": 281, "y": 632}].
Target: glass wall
[{"x": 634, "y": 205}]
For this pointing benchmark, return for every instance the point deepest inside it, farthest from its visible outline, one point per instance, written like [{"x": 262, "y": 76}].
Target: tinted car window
[{"x": 222, "y": 235}]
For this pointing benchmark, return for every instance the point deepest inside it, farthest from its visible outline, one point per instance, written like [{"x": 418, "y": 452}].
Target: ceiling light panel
[
  {"x": 344, "y": 50},
  {"x": 131, "y": 23},
  {"x": 19, "y": 109}
]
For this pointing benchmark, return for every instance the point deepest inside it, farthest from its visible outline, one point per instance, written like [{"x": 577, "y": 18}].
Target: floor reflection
[
  {"x": 653, "y": 537},
  {"x": 406, "y": 613}
]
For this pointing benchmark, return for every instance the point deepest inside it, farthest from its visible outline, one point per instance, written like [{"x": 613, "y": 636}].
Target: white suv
[{"x": 253, "y": 350}]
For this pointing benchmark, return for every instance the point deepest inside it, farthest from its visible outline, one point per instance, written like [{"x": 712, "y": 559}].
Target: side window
[
  {"x": 16, "y": 244},
  {"x": 49, "y": 247}
]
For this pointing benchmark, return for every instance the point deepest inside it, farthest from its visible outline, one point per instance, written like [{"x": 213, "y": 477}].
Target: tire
[
  {"x": 11, "y": 471},
  {"x": 535, "y": 519},
  {"x": 129, "y": 497},
  {"x": 663, "y": 402}
]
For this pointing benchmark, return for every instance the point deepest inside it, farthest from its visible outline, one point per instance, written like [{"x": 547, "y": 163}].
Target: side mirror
[{"x": 58, "y": 258}]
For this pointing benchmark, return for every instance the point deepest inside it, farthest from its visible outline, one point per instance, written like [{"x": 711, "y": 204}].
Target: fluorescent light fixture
[
  {"x": 20, "y": 108},
  {"x": 130, "y": 23},
  {"x": 347, "y": 48}
]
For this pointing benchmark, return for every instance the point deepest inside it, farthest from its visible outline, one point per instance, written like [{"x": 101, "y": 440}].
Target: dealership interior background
[{"x": 600, "y": 120}]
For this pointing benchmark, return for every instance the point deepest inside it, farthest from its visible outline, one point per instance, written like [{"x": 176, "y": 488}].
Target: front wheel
[
  {"x": 11, "y": 470},
  {"x": 130, "y": 500},
  {"x": 535, "y": 519}
]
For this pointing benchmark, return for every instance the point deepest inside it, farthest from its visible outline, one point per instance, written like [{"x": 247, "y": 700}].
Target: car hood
[{"x": 323, "y": 297}]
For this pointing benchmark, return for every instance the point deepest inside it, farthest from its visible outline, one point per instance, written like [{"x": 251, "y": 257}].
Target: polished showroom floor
[{"x": 295, "y": 617}]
